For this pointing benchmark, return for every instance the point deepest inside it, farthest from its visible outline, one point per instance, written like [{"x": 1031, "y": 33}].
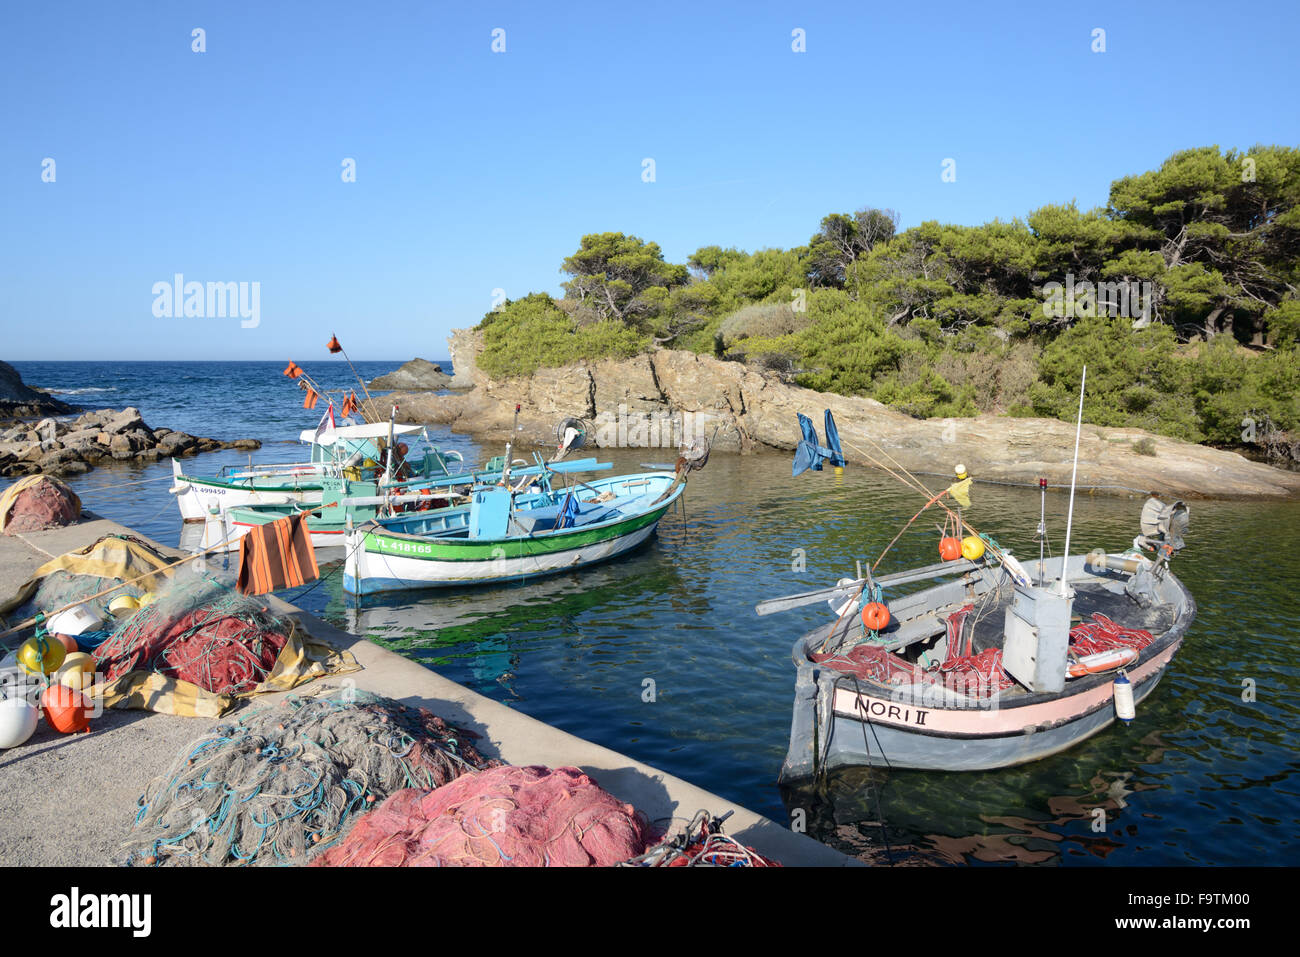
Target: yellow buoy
[
  {"x": 34, "y": 660},
  {"x": 124, "y": 605},
  {"x": 972, "y": 548},
  {"x": 77, "y": 671},
  {"x": 147, "y": 599}
]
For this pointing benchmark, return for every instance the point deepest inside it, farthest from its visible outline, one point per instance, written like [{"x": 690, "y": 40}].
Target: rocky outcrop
[
  {"x": 20, "y": 401},
  {"x": 75, "y": 446},
  {"x": 654, "y": 400},
  {"x": 418, "y": 375},
  {"x": 463, "y": 346}
]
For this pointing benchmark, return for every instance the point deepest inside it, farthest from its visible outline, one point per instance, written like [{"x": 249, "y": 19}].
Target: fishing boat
[
  {"x": 345, "y": 503},
  {"x": 996, "y": 664},
  {"x": 332, "y": 451},
  {"x": 503, "y": 536},
  {"x": 984, "y": 670}
]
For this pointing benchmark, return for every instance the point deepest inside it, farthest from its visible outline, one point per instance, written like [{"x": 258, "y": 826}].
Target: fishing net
[
  {"x": 1103, "y": 634},
  {"x": 200, "y": 631},
  {"x": 505, "y": 817},
  {"x": 62, "y": 588},
  {"x": 701, "y": 844},
  {"x": 286, "y": 782},
  {"x": 974, "y": 675},
  {"x": 870, "y": 663}
]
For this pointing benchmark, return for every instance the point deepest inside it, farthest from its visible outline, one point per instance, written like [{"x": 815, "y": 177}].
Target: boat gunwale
[
  {"x": 656, "y": 509},
  {"x": 1170, "y": 636}
]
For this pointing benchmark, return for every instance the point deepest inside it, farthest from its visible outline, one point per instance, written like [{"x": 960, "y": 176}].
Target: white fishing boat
[{"x": 333, "y": 452}]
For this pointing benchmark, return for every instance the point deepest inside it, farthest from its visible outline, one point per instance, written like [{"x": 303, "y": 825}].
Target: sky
[{"x": 128, "y": 157}]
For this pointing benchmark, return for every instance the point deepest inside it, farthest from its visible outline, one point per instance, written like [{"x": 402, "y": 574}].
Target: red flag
[
  {"x": 277, "y": 555},
  {"x": 349, "y": 405},
  {"x": 309, "y": 401},
  {"x": 333, "y": 344},
  {"x": 293, "y": 371}
]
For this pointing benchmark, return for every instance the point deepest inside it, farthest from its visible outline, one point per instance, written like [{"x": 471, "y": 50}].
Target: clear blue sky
[{"x": 479, "y": 170}]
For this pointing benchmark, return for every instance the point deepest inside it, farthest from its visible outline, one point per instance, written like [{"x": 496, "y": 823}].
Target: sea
[{"x": 659, "y": 654}]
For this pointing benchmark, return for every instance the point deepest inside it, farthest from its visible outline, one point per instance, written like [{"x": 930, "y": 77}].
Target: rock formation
[
  {"x": 75, "y": 446},
  {"x": 21, "y": 401},
  {"x": 652, "y": 400},
  {"x": 418, "y": 375}
]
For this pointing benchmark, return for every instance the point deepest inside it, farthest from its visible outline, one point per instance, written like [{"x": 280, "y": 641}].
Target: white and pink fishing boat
[
  {"x": 996, "y": 664},
  {"x": 983, "y": 670}
]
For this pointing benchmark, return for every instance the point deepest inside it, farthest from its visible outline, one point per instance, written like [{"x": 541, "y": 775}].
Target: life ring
[
  {"x": 875, "y": 616},
  {"x": 1101, "y": 662}
]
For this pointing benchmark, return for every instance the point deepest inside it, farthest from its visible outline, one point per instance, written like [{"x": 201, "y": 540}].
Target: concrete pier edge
[{"x": 72, "y": 798}]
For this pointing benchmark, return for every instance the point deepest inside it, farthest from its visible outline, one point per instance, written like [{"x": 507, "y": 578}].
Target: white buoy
[
  {"x": 1124, "y": 709},
  {"x": 17, "y": 722}
]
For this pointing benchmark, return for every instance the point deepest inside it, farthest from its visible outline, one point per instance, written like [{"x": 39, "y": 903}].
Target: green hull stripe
[
  {"x": 250, "y": 488},
  {"x": 483, "y": 551}
]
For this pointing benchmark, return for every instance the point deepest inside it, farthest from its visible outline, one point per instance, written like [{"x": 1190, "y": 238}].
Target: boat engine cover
[{"x": 1036, "y": 641}]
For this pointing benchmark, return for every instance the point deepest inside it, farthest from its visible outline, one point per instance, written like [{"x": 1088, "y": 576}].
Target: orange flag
[
  {"x": 333, "y": 344},
  {"x": 349, "y": 405},
  {"x": 309, "y": 401},
  {"x": 293, "y": 371}
]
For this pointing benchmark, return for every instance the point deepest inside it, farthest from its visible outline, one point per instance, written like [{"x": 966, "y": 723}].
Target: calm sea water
[{"x": 1201, "y": 777}]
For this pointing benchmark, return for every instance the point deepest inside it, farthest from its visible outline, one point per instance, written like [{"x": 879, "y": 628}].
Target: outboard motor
[
  {"x": 1163, "y": 527},
  {"x": 570, "y": 434}
]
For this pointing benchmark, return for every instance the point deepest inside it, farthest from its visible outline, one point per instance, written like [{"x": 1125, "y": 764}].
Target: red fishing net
[
  {"x": 871, "y": 663},
  {"x": 971, "y": 674},
  {"x": 225, "y": 645},
  {"x": 504, "y": 817},
  {"x": 1103, "y": 634}
]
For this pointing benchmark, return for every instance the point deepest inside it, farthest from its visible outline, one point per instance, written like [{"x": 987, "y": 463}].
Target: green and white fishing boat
[
  {"x": 332, "y": 451},
  {"x": 505, "y": 536},
  {"x": 345, "y": 503}
]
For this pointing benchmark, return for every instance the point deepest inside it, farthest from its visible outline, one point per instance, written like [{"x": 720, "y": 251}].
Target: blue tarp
[{"x": 810, "y": 453}]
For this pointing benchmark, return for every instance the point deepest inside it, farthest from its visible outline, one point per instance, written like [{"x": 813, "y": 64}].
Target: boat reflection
[{"x": 996, "y": 817}]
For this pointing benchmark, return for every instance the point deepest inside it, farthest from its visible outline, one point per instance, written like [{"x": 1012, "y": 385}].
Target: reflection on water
[{"x": 659, "y": 655}]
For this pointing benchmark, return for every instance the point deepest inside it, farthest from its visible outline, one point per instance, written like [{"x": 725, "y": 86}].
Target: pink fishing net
[{"x": 504, "y": 817}]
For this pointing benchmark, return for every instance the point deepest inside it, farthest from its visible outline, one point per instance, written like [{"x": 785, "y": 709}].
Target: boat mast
[{"x": 1074, "y": 474}]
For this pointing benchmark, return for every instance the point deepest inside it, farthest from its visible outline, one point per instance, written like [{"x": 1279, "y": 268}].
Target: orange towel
[{"x": 277, "y": 555}]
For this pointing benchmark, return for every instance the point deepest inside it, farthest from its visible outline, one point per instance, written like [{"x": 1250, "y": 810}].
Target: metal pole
[
  {"x": 1069, "y": 521},
  {"x": 1042, "y": 528}
]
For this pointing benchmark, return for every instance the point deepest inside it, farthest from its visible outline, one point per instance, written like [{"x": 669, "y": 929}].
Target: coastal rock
[
  {"x": 418, "y": 375},
  {"x": 75, "y": 446},
  {"x": 653, "y": 400},
  {"x": 21, "y": 401},
  {"x": 464, "y": 346}
]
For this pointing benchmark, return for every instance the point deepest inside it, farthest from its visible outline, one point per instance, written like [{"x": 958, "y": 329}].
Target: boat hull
[
  {"x": 383, "y": 561},
  {"x": 200, "y": 499},
  {"x": 841, "y": 721}
]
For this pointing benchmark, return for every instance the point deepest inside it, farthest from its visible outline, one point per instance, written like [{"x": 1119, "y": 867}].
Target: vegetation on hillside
[{"x": 1182, "y": 295}]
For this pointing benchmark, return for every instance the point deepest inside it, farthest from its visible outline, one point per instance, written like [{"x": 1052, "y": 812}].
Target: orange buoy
[
  {"x": 69, "y": 643},
  {"x": 65, "y": 709},
  {"x": 875, "y": 616},
  {"x": 949, "y": 548}
]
